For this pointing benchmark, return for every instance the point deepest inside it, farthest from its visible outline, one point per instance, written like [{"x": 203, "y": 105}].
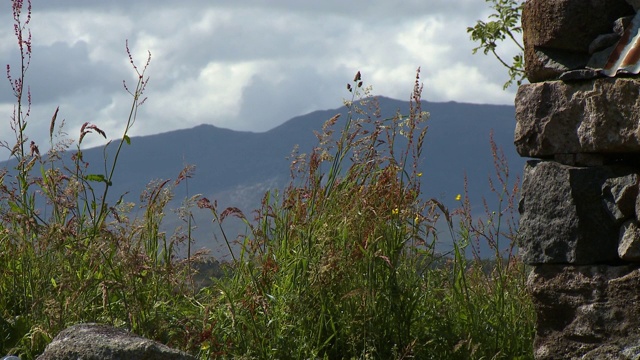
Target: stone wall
[{"x": 580, "y": 208}]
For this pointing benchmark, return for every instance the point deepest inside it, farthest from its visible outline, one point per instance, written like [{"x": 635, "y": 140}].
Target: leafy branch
[{"x": 504, "y": 25}]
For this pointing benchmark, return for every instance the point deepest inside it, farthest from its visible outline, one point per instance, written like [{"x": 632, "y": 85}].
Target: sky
[{"x": 245, "y": 65}]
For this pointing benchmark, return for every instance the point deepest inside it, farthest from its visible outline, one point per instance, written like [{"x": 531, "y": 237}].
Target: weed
[
  {"x": 341, "y": 263},
  {"x": 69, "y": 255}
]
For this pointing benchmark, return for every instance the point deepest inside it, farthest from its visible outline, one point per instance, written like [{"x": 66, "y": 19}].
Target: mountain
[{"x": 236, "y": 168}]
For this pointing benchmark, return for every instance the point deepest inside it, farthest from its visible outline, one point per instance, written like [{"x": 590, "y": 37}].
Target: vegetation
[
  {"x": 342, "y": 263},
  {"x": 504, "y": 24}
]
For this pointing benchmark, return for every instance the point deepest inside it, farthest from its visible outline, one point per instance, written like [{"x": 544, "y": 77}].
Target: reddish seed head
[
  {"x": 204, "y": 203},
  {"x": 34, "y": 149},
  {"x": 83, "y": 127}
]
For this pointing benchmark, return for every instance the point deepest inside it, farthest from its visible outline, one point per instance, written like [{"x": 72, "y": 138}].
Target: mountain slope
[{"x": 236, "y": 168}]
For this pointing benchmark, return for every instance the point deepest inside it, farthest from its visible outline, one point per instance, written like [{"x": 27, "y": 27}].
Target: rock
[
  {"x": 549, "y": 64},
  {"x": 562, "y": 30},
  {"x": 562, "y": 216},
  {"x": 599, "y": 59},
  {"x": 634, "y": 3},
  {"x": 101, "y": 342},
  {"x": 580, "y": 159},
  {"x": 580, "y": 74},
  {"x": 584, "y": 312},
  {"x": 623, "y": 349},
  {"x": 598, "y": 116},
  {"x": 638, "y": 208},
  {"x": 603, "y": 41},
  {"x": 619, "y": 195},
  {"x": 10, "y": 357},
  {"x": 621, "y": 24},
  {"x": 629, "y": 246}
]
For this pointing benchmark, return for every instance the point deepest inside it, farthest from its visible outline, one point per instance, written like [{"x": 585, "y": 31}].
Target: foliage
[
  {"x": 67, "y": 254},
  {"x": 506, "y": 24},
  {"x": 342, "y": 263}
]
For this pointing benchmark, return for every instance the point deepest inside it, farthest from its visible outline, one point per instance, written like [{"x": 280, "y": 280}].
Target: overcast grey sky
[{"x": 240, "y": 64}]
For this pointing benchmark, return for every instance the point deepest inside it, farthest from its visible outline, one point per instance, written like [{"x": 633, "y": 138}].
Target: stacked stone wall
[{"x": 579, "y": 119}]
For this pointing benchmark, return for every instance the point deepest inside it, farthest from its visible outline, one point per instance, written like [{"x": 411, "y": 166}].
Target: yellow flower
[
  {"x": 458, "y": 197},
  {"x": 395, "y": 211},
  {"x": 419, "y": 174}
]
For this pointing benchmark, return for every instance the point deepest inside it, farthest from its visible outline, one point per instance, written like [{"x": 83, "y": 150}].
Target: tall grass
[
  {"x": 340, "y": 264},
  {"x": 67, "y": 255}
]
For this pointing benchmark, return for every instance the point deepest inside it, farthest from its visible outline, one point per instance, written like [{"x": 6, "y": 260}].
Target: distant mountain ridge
[{"x": 237, "y": 167}]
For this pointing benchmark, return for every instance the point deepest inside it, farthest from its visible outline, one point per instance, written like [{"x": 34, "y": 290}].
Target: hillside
[{"x": 236, "y": 168}]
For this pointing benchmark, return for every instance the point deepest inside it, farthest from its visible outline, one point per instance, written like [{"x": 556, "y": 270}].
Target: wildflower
[
  {"x": 395, "y": 211},
  {"x": 419, "y": 174},
  {"x": 458, "y": 197}
]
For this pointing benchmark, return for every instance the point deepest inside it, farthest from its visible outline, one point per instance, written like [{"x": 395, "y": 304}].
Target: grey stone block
[
  {"x": 600, "y": 116},
  {"x": 563, "y": 217},
  {"x": 586, "y": 312}
]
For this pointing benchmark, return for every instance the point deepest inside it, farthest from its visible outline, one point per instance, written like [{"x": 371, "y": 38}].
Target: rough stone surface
[
  {"x": 621, "y": 24},
  {"x": 629, "y": 246},
  {"x": 563, "y": 219},
  {"x": 586, "y": 312},
  {"x": 619, "y": 195},
  {"x": 580, "y": 159},
  {"x": 580, "y": 74},
  {"x": 634, "y": 3},
  {"x": 557, "y": 33},
  {"x": 603, "y": 41},
  {"x": 580, "y": 206},
  {"x": 100, "y": 342},
  {"x": 598, "y": 116},
  {"x": 638, "y": 208}
]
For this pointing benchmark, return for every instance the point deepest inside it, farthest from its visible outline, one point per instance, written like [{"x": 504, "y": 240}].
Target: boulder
[
  {"x": 563, "y": 219},
  {"x": 557, "y": 33},
  {"x": 101, "y": 342},
  {"x": 599, "y": 116},
  {"x": 584, "y": 312}
]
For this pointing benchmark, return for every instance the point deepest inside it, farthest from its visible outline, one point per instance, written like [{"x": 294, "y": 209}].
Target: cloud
[
  {"x": 211, "y": 95},
  {"x": 306, "y": 89},
  {"x": 247, "y": 65}
]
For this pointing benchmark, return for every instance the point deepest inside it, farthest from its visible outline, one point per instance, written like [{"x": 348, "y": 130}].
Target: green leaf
[
  {"x": 53, "y": 282},
  {"x": 15, "y": 208},
  {"x": 127, "y": 139},
  {"x": 97, "y": 178}
]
